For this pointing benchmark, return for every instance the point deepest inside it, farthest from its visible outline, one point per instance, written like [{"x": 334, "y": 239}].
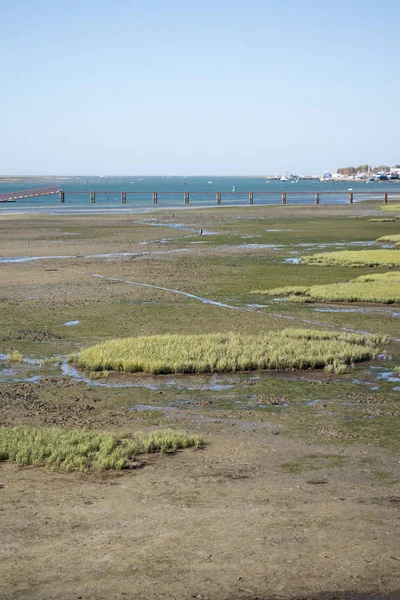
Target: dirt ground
[{"x": 263, "y": 510}]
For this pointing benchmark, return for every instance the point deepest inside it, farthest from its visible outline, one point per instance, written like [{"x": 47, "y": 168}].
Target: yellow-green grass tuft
[
  {"x": 296, "y": 290},
  {"x": 287, "y": 349},
  {"x": 14, "y": 356},
  {"x": 377, "y": 287},
  {"x": 394, "y": 239},
  {"x": 390, "y": 208},
  {"x": 354, "y": 258},
  {"x": 82, "y": 450}
]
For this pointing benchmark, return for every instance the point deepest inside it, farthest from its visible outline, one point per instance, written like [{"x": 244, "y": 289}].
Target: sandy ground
[{"x": 229, "y": 521}]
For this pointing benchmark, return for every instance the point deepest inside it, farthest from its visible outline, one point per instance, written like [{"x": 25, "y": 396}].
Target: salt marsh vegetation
[
  {"x": 377, "y": 287},
  {"x": 14, "y": 356},
  {"x": 354, "y": 258},
  {"x": 390, "y": 207},
  {"x": 82, "y": 450},
  {"x": 277, "y": 350},
  {"x": 393, "y": 239}
]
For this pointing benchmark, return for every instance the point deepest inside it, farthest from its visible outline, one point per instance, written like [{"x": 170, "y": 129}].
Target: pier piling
[
  {"x": 155, "y": 197},
  {"x": 385, "y": 197},
  {"x": 186, "y": 197},
  {"x": 62, "y": 197},
  {"x": 317, "y": 198},
  {"x": 218, "y": 197},
  {"x": 351, "y": 198},
  {"x": 92, "y": 197},
  {"x": 123, "y": 197},
  {"x": 251, "y": 198},
  {"x": 283, "y": 197}
]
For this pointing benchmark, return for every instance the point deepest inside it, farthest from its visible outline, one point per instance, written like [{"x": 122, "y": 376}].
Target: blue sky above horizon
[{"x": 181, "y": 88}]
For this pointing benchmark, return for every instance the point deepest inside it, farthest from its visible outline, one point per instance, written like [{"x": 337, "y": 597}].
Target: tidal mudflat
[{"x": 294, "y": 491}]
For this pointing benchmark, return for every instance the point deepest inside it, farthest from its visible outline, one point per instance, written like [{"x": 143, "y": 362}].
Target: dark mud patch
[
  {"x": 22, "y": 401},
  {"x": 269, "y": 400},
  {"x": 30, "y": 335},
  {"x": 331, "y": 432}
]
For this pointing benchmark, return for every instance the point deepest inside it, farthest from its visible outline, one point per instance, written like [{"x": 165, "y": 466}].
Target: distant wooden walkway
[
  {"x": 13, "y": 196},
  {"x": 282, "y": 197}
]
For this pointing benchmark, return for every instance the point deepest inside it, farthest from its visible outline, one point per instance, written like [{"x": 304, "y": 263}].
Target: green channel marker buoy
[{"x": 234, "y": 188}]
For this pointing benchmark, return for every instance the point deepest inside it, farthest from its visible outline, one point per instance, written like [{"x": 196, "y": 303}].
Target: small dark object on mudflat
[{"x": 318, "y": 481}]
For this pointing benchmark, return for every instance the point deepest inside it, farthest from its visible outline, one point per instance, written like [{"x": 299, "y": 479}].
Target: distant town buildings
[{"x": 361, "y": 173}]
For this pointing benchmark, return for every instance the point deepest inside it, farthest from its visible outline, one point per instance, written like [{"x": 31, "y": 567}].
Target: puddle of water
[
  {"x": 33, "y": 379},
  {"x": 110, "y": 256},
  {"x": 180, "y": 226},
  {"x": 385, "y": 374},
  {"x": 261, "y": 246},
  {"x": 143, "y": 407},
  {"x": 361, "y": 382},
  {"x": 23, "y": 259},
  {"x": 339, "y": 310},
  {"x": 361, "y": 310},
  {"x": 257, "y": 305},
  {"x": 7, "y": 372},
  {"x": 332, "y": 244},
  {"x": 71, "y": 323},
  {"x": 313, "y": 402},
  {"x": 160, "y": 241},
  {"x": 70, "y": 371},
  {"x": 190, "y": 383},
  {"x": 292, "y": 261}
]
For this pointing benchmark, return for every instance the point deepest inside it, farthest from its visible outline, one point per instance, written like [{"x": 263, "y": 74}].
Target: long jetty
[
  {"x": 34, "y": 193},
  {"x": 283, "y": 196},
  {"x": 154, "y": 196}
]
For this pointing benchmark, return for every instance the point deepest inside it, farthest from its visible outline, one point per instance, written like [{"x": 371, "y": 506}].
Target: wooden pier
[
  {"x": 35, "y": 193},
  {"x": 282, "y": 197}
]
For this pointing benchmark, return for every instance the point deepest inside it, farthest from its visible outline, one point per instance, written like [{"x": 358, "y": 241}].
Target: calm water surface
[{"x": 108, "y": 198}]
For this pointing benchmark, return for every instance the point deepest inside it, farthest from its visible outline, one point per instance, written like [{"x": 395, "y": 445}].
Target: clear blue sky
[{"x": 197, "y": 88}]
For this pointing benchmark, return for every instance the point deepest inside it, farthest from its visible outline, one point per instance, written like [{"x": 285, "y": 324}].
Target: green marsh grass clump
[
  {"x": 390, "y": 208},
  {"x": 14, "y": 356},
  {"x": 82, "y": 450},
  {"x": 295, "y": 290},
  {"x": 354, "y": 258},
  {"x": 209, "y": 353},
  {"x": 394, "y": 239},
  {"x": 377, "y": 287}
]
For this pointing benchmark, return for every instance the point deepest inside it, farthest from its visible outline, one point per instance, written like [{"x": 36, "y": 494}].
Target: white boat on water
[{"x": 288, "y": 177}]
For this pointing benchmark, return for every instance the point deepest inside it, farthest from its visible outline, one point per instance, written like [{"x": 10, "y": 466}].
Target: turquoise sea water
[{"x": 171, "y": 190}]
